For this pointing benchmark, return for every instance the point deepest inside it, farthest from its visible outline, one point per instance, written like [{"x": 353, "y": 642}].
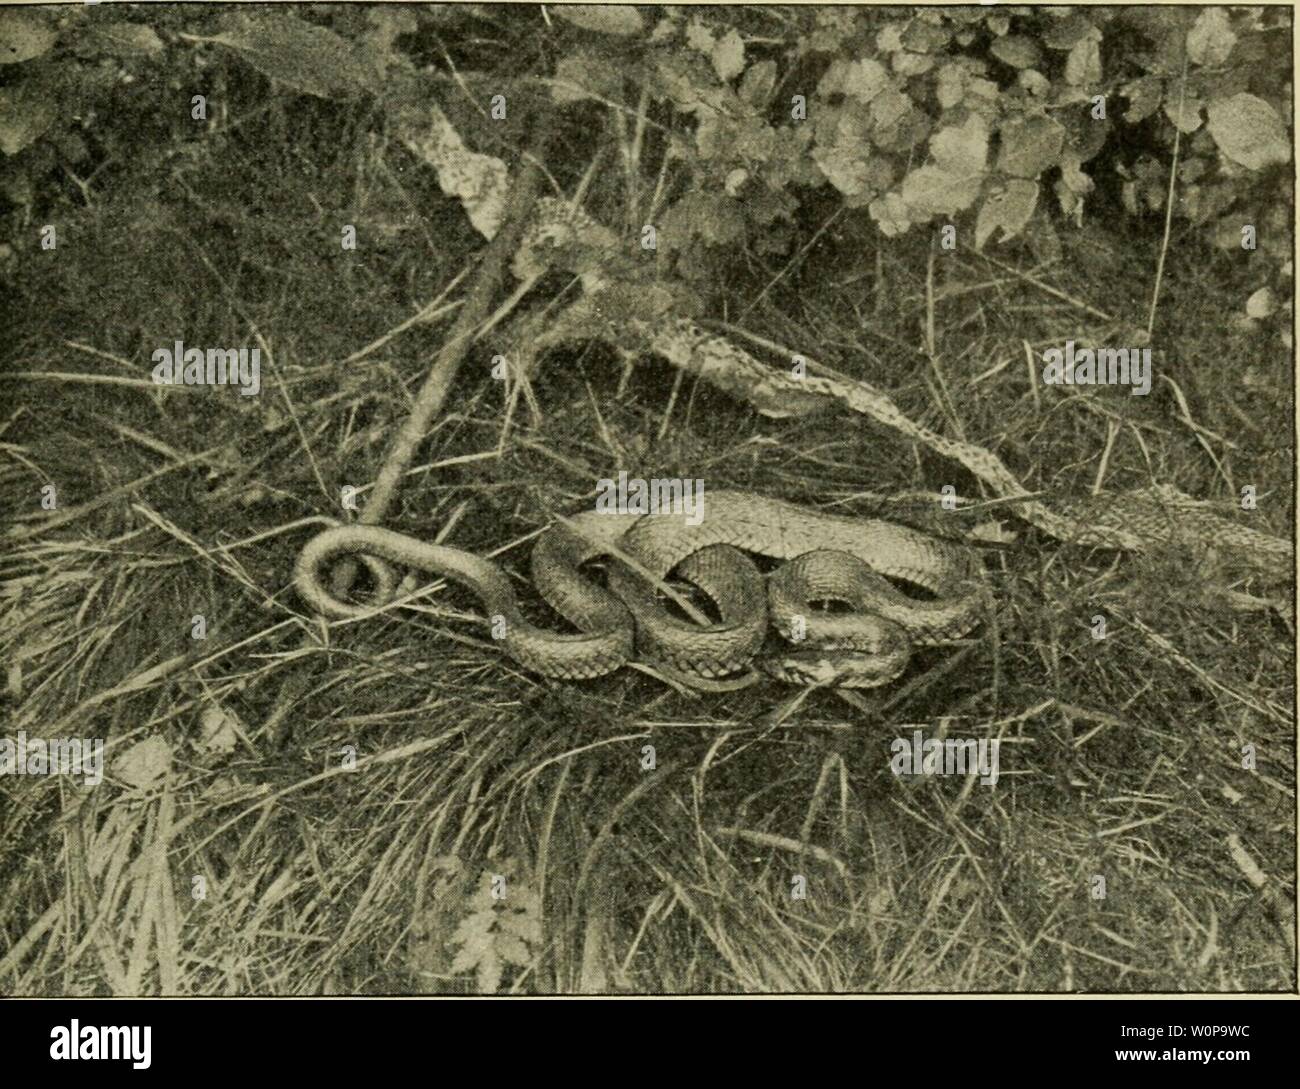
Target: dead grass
[{"x": 1121, "y": 757}]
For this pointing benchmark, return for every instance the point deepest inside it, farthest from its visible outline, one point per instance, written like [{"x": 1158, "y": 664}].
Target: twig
[
  {"x": 1169, "y": 202},
  {"x": 1056, "y": 293},
  {"x": 72, "y": 514},
  {"x": 433, "y": 394},
  {"x": 791, "y": 264}
]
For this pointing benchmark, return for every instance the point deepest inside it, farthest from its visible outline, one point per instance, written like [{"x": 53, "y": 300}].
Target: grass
[{"x": 294, "y": 808}]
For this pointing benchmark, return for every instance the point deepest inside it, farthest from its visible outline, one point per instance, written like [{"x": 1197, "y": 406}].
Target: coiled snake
[{"x": 836, "y": 559}]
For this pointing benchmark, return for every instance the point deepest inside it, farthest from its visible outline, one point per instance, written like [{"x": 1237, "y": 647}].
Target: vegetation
[{"x": 291, "y": 808}]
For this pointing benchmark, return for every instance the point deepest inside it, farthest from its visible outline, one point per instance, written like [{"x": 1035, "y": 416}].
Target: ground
[{"x": 330, "y": 811}]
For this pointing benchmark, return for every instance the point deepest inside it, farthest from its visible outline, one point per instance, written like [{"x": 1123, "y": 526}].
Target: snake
[{"x": 829, "y": 558}]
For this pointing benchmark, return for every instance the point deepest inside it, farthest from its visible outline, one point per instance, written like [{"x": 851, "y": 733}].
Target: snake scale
[{"x": 835, "y": 559}]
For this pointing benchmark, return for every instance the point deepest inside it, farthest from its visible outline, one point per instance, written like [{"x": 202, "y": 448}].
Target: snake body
[{"x": 839, "y": 559}]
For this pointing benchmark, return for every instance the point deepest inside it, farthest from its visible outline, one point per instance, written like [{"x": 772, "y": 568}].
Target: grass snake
[{"x": 830, "y": 558}]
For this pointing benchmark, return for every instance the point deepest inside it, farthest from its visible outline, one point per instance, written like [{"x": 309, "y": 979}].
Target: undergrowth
[{"x": 347, "y": 801}]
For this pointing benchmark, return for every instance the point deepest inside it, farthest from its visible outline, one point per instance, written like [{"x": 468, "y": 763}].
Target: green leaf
[
  {"x": 1083, "y": 66},
  {"x": 602, "y": 18},
  {"x": 1009, "y": 208},
  {"x": 931, "y": 190},
  {"x": 699, "y": 37},
  {"x": 909, "y": 65},
  {"x": 890, "y": 215},
  {"x": 1064, "y": 34},
  {"x": 1211, "y": 39},
  {"x": 124, "y": 39},
  {"x": 890, "y": 38},
  {"x": 1017, "y": 51},
  {"x": 759, "y": 82},
  {"x": 865, "y": 79},
  {"x": 682, "y": 77},
  {"x": 1261, "y": 304},
  {"x": 962, "y": 148},
  {"x": 386, "y": 25},
  {"x": 950, "y": 88},
  {"x": 881, "y": 173},
  {"x": 728, "y": 56},
  {"x": 1249, "y": 131},
  {"x": 580, "y": 76},
  {"x": 845, "y": 167},
  {"x": 144, "y": 763},
  {"x": 512, "y": 950},
  {"x": 1085, "y": 135},
  {"x": 1186, "y": 115},
  {"x": 1144, "y": 97},
  {"x": 489, "y": 973},
  {"x": 982, "y": 97},
  {"x": 474, "y": 934},
  {"x": 524, "y": 925},
  {"x": 1072, "y": 186},
  {"x": 900, "y": 137},
  {"x": 23, "y": 36},
  {"x": 28, "y": 107},
  {"x": 889, "y": 107},
  {"x": 1034, "y": 82},
  {"x": 307, "y": 58},
  {"x": 923, "y": 37},
  {"x": 1030, "y": 145}
]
